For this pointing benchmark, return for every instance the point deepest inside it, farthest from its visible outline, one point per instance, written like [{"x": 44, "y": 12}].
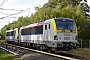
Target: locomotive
[{"x": 57, "y": 34}]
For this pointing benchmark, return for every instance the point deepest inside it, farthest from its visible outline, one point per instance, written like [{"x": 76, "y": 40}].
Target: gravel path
[{"x": 29, "y": 55}]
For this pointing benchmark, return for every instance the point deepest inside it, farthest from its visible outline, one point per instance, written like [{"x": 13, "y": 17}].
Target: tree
[
  {"x": 57, "y": 8},
  {"x": 85, "y": 8}
]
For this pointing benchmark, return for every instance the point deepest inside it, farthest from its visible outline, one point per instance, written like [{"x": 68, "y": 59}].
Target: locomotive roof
[
  {"x": 59, "y": 20},
  {"x": 63, "y": 19},
  {"x": 31, "y": 25},
  {"x": 9, "y": 30}
]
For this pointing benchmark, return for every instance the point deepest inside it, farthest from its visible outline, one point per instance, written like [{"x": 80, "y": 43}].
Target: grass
[
  {"x": 7, "y": 56},
  {"x": 84, "y": 52},
  {"x": 1, "y": 41}
]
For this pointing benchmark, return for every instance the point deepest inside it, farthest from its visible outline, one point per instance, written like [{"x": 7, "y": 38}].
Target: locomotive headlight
[
  {"x": 55, "y": 37},
  {"x": 53, "y": 44}
]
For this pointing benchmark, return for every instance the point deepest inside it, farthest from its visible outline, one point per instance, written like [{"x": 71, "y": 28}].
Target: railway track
[{"x": 31, "y": 54}]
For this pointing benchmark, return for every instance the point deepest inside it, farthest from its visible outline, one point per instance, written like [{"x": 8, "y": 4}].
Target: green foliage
[
  {"x": 7, "y": 56},
  {"x": 56, "y": 8},
  {"x": 81, "y": 52},
  {"x": 1, "y": 41}
]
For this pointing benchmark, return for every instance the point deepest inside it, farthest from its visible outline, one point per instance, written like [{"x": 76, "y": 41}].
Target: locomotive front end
[{"x": 64, "y": 34}]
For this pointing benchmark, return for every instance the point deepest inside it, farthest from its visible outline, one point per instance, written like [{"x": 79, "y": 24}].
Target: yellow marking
[
  {"x": 53, "y": 24},
  {"x": 9, "y": 46},
  {"x": 76, "y": 30},
  {"x": 16, "y": 31}
]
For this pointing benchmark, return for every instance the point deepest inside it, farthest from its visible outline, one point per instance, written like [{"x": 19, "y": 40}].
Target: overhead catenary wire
[
  {"x": 36, "y": 5},
  {"x": 13, "y": 17},
  {"x": 11, "y": 14},
  {"x": 41, "y": 2},
  {"x": 4, "y": 13},
  {"x": 21, "y": 11},
  {"x": 4, "y": 1},
  {"x": 10, "y": 9}
]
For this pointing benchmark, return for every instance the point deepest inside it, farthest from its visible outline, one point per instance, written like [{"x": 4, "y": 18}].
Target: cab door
[{"x": 47, "y": 32}]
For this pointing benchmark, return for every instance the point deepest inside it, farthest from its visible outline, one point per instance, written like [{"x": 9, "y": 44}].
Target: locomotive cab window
[
  {"x": 12, "y": 33},
  {"x": 49, "y": 26},
  {"x": 65, "y": 25},
  {"x": 8, "y": 34},
  {"x": 45, "y": 27}
]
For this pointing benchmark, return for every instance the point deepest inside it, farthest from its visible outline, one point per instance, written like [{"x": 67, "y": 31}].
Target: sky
[{"x": 14, "y": 7}]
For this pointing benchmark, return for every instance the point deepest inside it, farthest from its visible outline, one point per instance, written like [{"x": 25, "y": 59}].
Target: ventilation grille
[
  {"x": 66, "y": 34},
  {"x": 66, "y": 38}
]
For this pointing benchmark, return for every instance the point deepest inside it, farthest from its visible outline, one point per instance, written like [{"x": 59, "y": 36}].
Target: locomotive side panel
[{"x": 32, "y": 34}]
